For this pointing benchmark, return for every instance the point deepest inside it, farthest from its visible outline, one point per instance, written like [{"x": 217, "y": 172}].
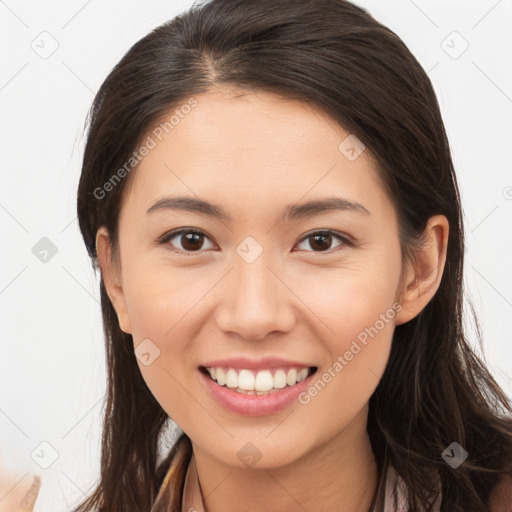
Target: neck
[{"x": 340, "y": 474}]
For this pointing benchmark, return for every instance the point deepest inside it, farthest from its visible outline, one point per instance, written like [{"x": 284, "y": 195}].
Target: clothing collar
[
  {"x": 395, "y": 491},
  {"x": 192, "y": 495}
]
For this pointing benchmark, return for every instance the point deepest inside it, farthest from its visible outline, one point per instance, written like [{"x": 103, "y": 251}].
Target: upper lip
[{"x": 255, "y": 364}]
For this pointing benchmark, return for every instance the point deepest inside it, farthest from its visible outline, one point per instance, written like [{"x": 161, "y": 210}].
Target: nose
[{"x": 255, "y": 301}]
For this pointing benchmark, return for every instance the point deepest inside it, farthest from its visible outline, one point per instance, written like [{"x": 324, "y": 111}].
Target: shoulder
[{"x": 500, "y": 498}]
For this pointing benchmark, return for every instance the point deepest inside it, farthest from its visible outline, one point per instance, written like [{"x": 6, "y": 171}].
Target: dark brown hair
[{"x": 338, "y": 58}]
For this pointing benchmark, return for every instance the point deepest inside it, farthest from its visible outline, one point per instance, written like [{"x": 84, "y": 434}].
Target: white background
[{"x": 52, "y": 355}]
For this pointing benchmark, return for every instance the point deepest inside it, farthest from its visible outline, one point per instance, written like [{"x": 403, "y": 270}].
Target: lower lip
[{"x": 254, "y": 405}]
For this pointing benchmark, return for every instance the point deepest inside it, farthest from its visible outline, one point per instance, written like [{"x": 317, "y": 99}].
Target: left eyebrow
[
  {"x": 319, "y": 206},
  {"x": 291, "y": 212}
]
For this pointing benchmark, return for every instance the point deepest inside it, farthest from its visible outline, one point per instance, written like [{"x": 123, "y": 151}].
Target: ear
[
  {"x": 111, "y": 276},
  {"x": 423, "y": 275}
]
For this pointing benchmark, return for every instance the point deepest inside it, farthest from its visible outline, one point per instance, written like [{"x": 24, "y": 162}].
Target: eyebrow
[{"x": 291, "y": 212}]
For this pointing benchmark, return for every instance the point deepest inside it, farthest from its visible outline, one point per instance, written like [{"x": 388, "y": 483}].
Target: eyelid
[
  {"x": 344, "y": 238},
  {"x": 164, "y": 239}
]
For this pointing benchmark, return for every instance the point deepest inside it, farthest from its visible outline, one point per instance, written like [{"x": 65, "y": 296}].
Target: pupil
[
  {"x": 316, "y": 238},
  {"x": 192, "y": 239}
]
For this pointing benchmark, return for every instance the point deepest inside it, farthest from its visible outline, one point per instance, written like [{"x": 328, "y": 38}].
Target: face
[{"x": 272, "y": 285}]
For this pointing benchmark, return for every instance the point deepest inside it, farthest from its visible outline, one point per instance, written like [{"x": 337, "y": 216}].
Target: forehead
[{"x": 243, "y": 147}]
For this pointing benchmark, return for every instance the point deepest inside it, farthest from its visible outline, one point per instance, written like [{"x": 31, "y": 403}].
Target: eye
[
  {"x": 191, "y": 240},
  {"x": 322, "y": 240}
]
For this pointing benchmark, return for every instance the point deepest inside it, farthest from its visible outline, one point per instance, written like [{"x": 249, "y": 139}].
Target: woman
[{"x": 268, "y": 192}]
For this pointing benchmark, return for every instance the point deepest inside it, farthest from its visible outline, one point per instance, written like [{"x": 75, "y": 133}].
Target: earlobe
[
  {"x": 111, "y": 276},
  {"x": 424, "y": 275}
]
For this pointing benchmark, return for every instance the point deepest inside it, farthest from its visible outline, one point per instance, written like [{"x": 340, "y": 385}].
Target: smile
[
  {"x": 255, "y": 392},
  {"x": 261, "y": 382}
]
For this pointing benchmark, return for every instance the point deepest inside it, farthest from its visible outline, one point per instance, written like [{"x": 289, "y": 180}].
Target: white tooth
[
  {"x": 303, "y": 373},
  {"x": 213, "y": 373},
  {"x": 221, "y": 377},
  {"x": 264, "y": 381},
  {"x": 232, "y": 379},
  {"x": 246, "y": 380},
  {"x": 291, "y": 377},
  {"x": 279, "y": 379}
]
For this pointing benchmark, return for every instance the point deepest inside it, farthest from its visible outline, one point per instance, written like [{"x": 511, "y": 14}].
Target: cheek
[
  {"x": 340, "y": 391},
  {"x": 357, "y": 305},
  {"x": 164, "y": 305},
  {"x": 160, "y": 299},
  {"x": 160, "y": 304},
  {"x": 351, "y": 299}
]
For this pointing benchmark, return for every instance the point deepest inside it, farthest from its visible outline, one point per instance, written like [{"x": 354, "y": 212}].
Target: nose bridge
[
  {"x": 255, "y": 301},
  {"x": 256, "y": 283},
  {"x": 252, "y": 274}
]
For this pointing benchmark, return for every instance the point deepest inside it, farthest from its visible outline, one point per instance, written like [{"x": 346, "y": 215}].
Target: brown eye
[
  {"x": 190, "y": 240},
  {"x": 321, "y": 241}
]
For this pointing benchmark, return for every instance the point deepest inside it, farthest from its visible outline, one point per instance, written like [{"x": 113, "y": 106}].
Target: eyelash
[{"x": 165, "y": 239}]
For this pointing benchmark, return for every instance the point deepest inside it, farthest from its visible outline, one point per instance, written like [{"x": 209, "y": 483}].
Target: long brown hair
[{"x": 338, "y": 58}]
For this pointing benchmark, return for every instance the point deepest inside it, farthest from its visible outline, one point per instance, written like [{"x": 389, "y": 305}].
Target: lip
[
  {"x": 265, "y": 363},
  {"x": 254, "y": 405}
]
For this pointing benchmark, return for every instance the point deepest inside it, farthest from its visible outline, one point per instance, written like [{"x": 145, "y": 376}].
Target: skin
[
  {"x": 16, "y": 492},
  {"x": 253, "y": 155}
]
